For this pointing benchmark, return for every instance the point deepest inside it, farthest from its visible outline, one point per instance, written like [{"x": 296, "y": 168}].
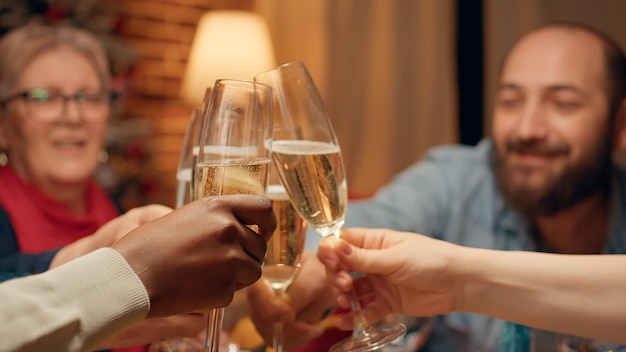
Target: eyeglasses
[{"x": 47, "y": 104}]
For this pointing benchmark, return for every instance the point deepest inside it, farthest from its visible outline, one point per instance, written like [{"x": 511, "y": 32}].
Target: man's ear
[{"x": 619, "y": 130}]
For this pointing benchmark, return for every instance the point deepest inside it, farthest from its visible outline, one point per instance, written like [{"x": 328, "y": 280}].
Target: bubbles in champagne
[
  {"x": 183, "y": 187},
  {"x": 315, "y": 179},
  {"x": 282, "y": 259},
  {"x": 234, "y": 177}
]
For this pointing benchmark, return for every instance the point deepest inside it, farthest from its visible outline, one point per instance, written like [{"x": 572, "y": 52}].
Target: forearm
[
  {"x": 73, "y": 307},
  {"x": 580, "y": 295}
]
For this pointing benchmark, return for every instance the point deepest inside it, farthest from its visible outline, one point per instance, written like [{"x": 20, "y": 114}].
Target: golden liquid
[
  {"x": 313, "y": 175},
  {"x": 234, "y": 177},
  {"x": 184, "y": 193},
  {"x": 285, "y": 247}
]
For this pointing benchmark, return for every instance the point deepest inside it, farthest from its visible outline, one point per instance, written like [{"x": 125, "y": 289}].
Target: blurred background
[{"x": 397, "y": 76}]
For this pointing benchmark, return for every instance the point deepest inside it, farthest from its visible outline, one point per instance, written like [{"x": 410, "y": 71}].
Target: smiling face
[
  {"x": 551, "y": 123},
  {"x": 64, "y": 151}
]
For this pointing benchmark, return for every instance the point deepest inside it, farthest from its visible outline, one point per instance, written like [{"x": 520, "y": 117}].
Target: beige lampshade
[{"x": 227, "y": 44}]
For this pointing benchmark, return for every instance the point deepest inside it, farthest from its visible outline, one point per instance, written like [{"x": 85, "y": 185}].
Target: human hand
[
  {"x": 301, "y": 308},
  {"x": 110, "y": 232},
  {"x": 407, "y": 273},
  {"x": 117, "y": 228},
  {"x": 194, "y": 258},
  {"x": 149, "y": 330}
]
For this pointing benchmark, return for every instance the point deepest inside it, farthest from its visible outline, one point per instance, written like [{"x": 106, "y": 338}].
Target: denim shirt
[{"x": 451, "y": 194}]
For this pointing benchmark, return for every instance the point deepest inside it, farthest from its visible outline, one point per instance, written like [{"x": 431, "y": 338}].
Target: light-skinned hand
[
  {"x": 110, "y": 232},
  {"x": 407, "y": 273}
]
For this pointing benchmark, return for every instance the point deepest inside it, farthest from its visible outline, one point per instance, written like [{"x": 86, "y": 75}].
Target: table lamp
[{"x": 227, "y": 44}]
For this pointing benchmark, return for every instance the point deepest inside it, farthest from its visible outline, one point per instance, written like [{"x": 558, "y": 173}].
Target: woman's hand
[
  {"x": 407, "y": 273},
  {"x": 110, "y": 232}
]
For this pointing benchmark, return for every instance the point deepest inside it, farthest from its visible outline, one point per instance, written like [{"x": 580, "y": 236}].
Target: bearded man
[{"x": 543, "y": 181}]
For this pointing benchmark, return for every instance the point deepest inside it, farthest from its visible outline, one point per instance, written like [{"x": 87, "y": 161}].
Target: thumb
[{"x": 369, "y": 261}]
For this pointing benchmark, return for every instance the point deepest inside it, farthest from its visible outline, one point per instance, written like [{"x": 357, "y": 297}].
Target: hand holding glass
[
  {"x": 234, "y": 153},
  {"x": 284, "y": 249},
  {"x": 184, "y": 175},
  {"x": 309, "y": 163}
]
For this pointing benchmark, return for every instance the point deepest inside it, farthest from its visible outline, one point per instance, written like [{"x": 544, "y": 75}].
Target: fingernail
[
  {"x": 345, "y": 248},
  {"x": 329, "y": 261},
  {"x": 341, "y": 281}
]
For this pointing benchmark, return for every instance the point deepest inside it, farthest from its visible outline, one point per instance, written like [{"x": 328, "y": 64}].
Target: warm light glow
[{"x": 227, "y": 44}]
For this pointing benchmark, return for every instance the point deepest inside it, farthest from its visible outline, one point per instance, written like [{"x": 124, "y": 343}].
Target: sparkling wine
[
  {"x": 233, "y": 177},
  {"x": 183, "y": 187},
  {"x": 313, "y": 175},
  {"x": 285, "y": 247},
  {"x": 184, "y": 178}
]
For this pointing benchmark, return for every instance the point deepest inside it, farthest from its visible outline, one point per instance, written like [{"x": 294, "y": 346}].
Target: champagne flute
[
  {"x": 189, "y": 153},
  {"x": 234, "y": 154},
  {"x": 188, "y": 157},
  {"x": 284, "y": 249},
  {"x": 310, "y": 166}
]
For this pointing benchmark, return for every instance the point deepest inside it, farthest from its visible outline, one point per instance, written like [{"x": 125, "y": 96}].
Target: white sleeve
[{"x": 73, "y": 307}]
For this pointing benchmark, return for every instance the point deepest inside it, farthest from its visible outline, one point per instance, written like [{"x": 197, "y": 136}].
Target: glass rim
[
  {"x": 289, "y": 64},
  {"x": 243, "y": 82}
]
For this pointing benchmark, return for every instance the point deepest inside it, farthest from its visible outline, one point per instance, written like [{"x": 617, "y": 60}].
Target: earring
[
  {"x": 103, "y": 156},
  {"x": 4, "y": 158}
]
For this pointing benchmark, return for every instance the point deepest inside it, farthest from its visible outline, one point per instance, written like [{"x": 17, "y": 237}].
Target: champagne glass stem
[
  {"x": 234, "y": 153},
  {"x": 361, "y": 326},
  {"x": 362, "y": 329},
  {"x": 279, "y": 338},
  {"x": 206, "y": 329},
  {"x": 366, "y": 337},
  {"x": 214, "y": 328}
]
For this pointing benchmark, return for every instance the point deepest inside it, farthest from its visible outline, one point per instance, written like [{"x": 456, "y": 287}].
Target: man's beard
[{"x": 575, "y": 183}]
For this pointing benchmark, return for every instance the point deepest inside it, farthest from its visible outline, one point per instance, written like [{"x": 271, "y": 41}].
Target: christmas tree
[{"x": 99, "y": 17}]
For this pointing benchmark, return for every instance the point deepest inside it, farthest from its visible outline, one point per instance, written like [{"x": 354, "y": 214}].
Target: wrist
[{"x": 473, "y": 265}]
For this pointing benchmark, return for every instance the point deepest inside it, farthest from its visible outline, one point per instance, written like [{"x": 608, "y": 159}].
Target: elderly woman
[{"x": 55, "y": 104}]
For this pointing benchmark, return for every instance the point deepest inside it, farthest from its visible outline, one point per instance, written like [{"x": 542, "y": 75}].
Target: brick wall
[{"x": 162, "y": 32}]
